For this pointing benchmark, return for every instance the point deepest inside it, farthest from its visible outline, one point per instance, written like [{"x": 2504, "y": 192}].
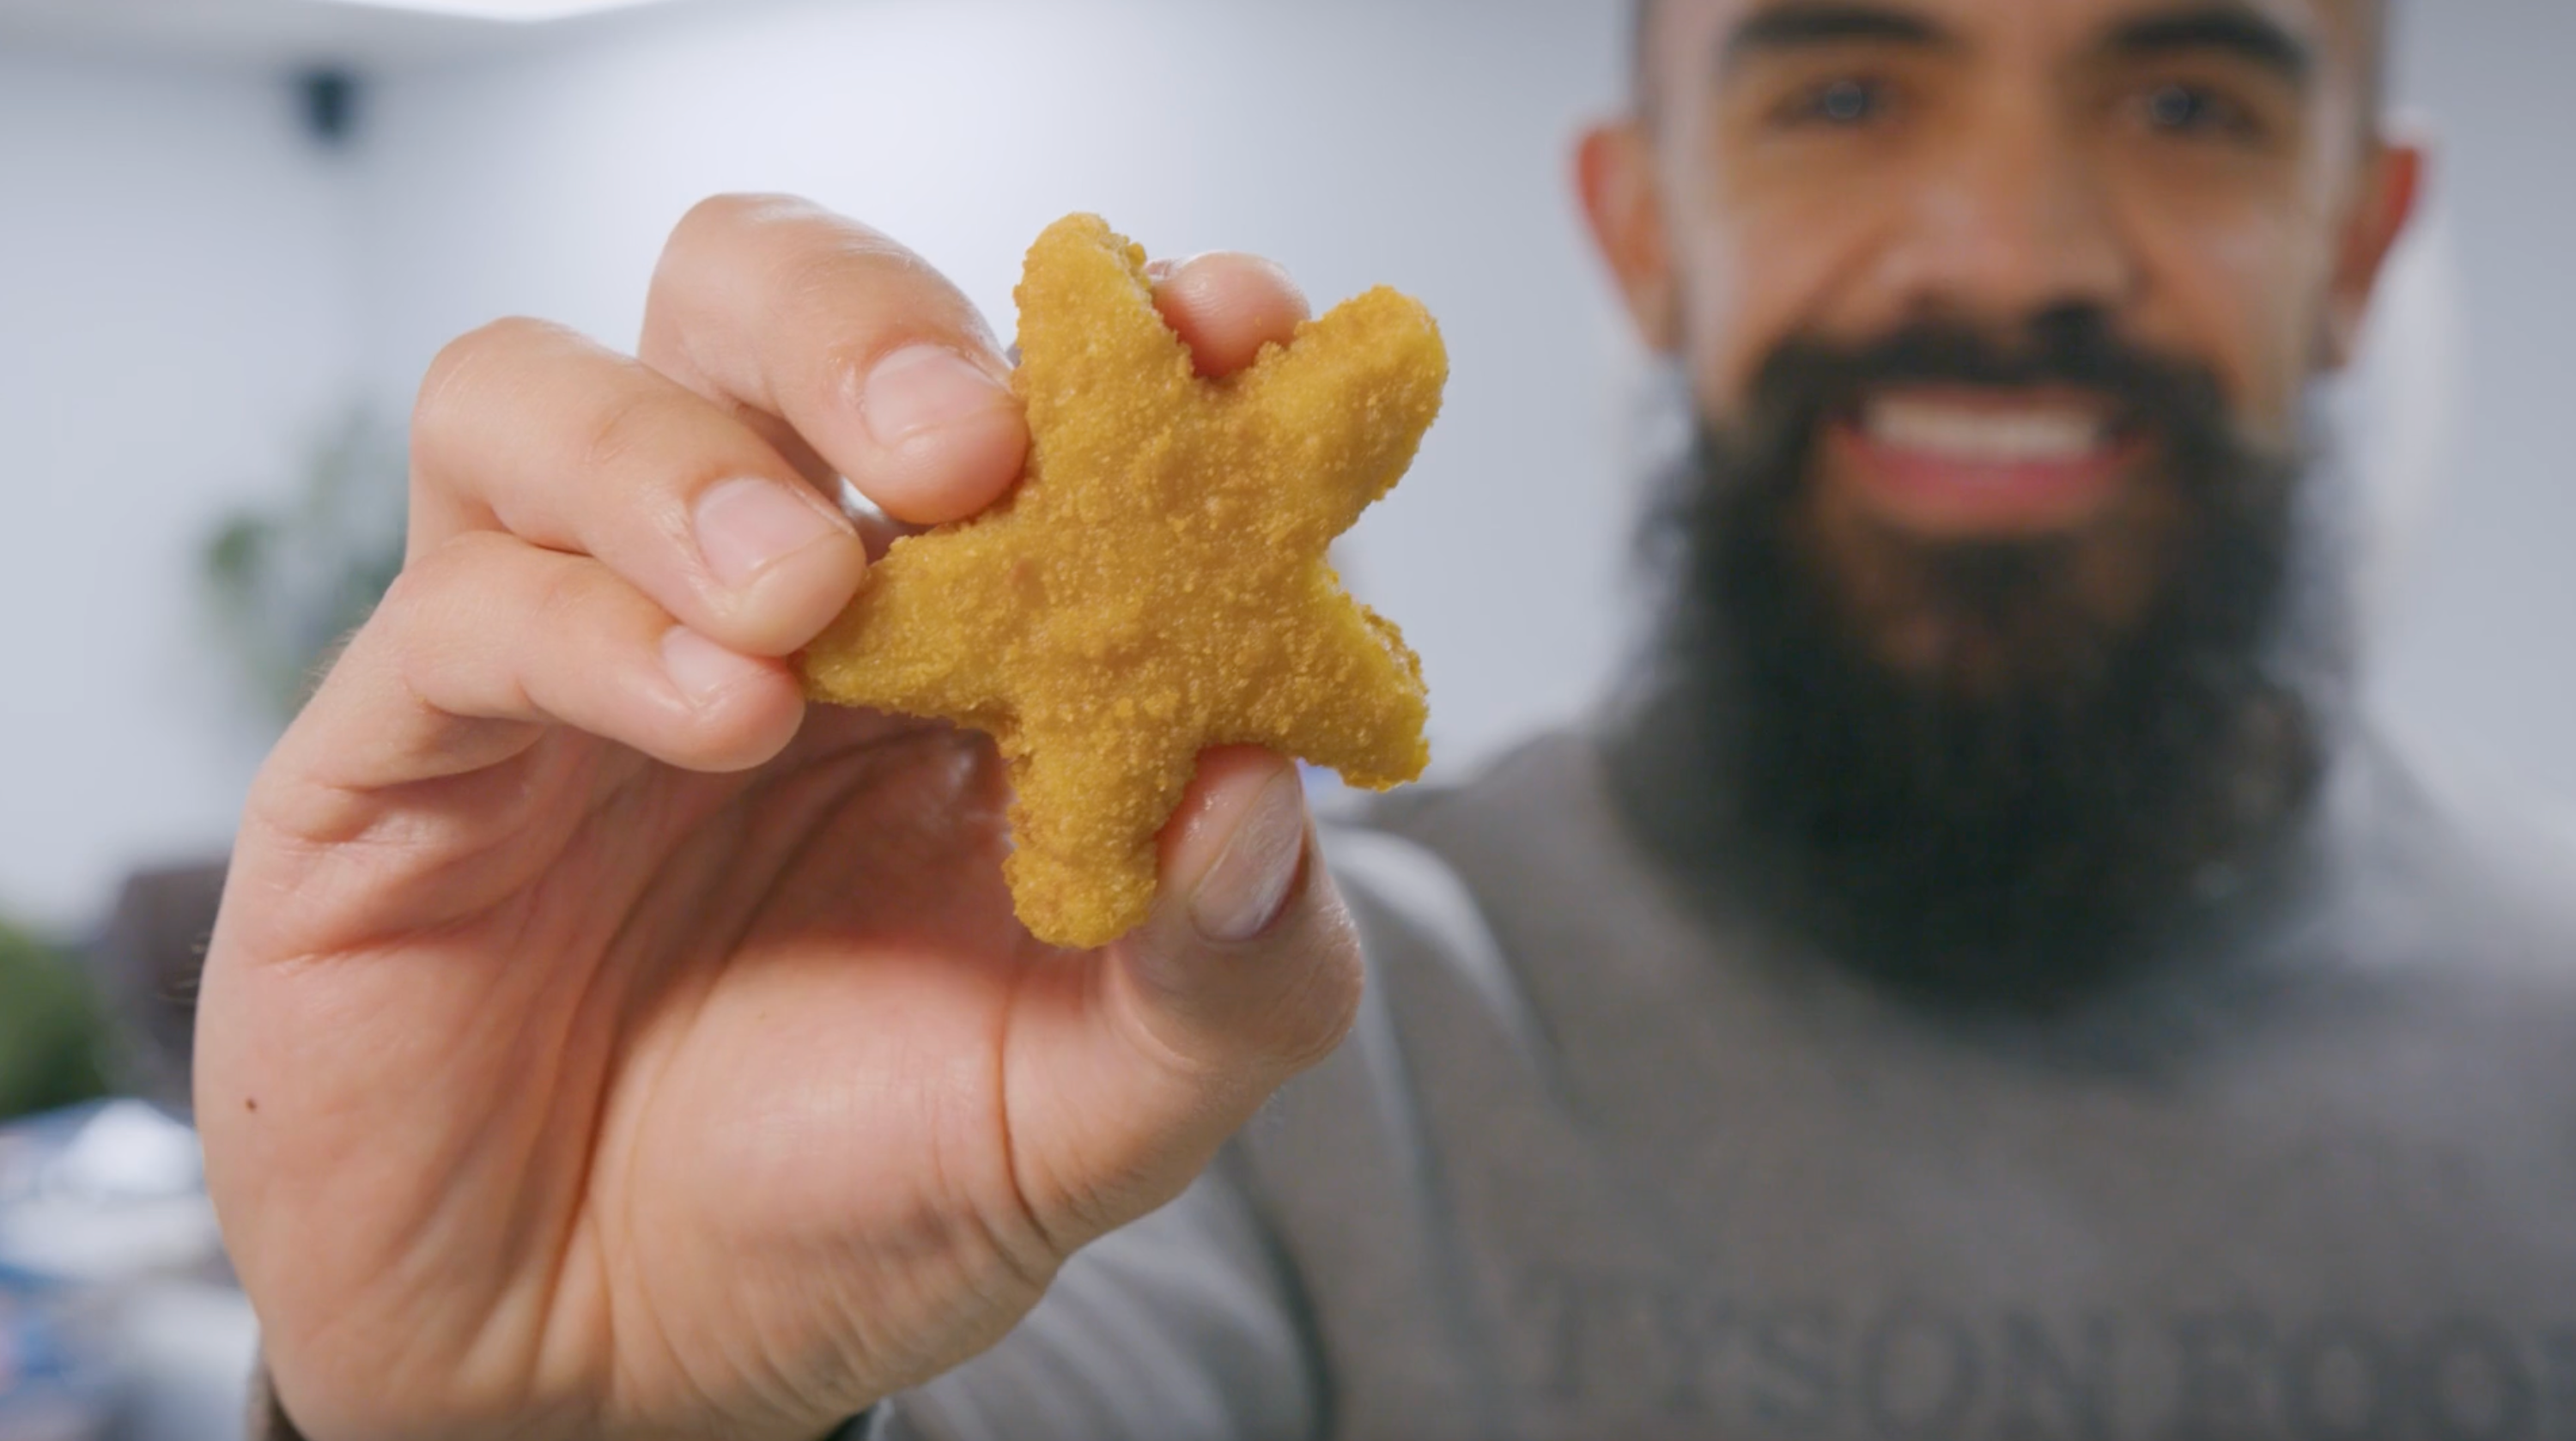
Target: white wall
[
  {"x": 174, "y": 321},
  {"x": 1424, "y": 145},
  {"x": 2479, "y": 667},
  {"x": 185, "y": 286}
]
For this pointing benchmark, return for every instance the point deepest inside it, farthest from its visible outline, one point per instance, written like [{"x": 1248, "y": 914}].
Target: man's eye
[
  {"x": 2183, "y": 109},
  {"x": 1847, "y": 102}
]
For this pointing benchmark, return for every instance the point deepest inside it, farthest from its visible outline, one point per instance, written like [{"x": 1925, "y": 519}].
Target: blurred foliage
[
  {"x": 53, "y": 1045},
  {"x": 288, "y": 583}
]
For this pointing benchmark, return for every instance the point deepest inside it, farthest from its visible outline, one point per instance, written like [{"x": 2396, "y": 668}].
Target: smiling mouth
[{"x": 1974, "y": 462}]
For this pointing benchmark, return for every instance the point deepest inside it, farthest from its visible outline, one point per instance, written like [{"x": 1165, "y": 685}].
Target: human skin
[
  {"x": 597, "y": 1042},
  {"x": 1981, "y": 163}
]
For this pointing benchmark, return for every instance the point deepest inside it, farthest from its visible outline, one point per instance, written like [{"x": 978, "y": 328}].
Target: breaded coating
[{"x": 1157, "y": 583}]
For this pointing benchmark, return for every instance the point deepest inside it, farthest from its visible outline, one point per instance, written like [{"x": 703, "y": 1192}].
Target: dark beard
[{"x": 2024, "y": 835}]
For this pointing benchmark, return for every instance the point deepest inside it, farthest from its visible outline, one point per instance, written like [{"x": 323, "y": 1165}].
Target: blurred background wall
[
  {"x": 178, "y": 278},
  {"x": 2477, "y": 657},
  {"x": 192, "y": 292}
]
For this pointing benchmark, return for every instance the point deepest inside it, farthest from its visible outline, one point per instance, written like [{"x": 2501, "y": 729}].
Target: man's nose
[{"x": 2013, "y": 220}]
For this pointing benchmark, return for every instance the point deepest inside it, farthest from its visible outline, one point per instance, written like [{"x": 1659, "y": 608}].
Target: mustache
[{"x": 1809, "y": 381}]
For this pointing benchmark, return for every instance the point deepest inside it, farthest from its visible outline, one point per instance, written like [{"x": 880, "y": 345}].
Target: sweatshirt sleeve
[{"x": 1184, "y": 1325}]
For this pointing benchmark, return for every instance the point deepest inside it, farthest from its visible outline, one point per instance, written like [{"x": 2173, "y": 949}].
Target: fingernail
[
  {"x": 922, "y": 387},
  {"x": 701, "y": 668},
  {"x": 1241, "y": 894},
  {"x": 745, "y": 526}
]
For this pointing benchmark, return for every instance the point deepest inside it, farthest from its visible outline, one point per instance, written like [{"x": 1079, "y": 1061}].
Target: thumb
[
  {"x": 1247, "y": 972},
  {"x": 1250, "y": 962}
]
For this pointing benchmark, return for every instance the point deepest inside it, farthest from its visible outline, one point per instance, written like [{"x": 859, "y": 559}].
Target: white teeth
[{"x": 1984, "y": 437}]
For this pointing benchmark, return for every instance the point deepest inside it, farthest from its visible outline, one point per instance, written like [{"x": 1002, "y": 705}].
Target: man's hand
[{"x": 597, "y": 1043}]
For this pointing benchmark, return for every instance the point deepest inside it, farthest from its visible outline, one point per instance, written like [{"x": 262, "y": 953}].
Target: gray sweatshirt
[{"x": 1600, "y": 1161}]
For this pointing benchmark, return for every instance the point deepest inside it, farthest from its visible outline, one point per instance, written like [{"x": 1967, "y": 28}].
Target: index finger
[
  {"x": 858, "y": 359},
  {"x": 843, "y": 348}
]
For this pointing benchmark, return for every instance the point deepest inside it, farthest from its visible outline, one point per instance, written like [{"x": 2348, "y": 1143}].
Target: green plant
[
  {"x": 53, "y": 1046},
  {"x": 287, "y": 583}
]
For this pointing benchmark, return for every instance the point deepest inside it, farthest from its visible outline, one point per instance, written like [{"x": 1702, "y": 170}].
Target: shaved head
[
  {"x": 2379, "y": 14},
  {"x": 1998, "y": 611}
]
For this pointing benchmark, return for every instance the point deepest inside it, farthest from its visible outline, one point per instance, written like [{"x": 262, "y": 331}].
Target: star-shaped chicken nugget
[{"x": 1157, "y": 583}]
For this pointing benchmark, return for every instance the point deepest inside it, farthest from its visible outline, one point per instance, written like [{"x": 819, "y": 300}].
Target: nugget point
[{"x": 1157, "y": 583}]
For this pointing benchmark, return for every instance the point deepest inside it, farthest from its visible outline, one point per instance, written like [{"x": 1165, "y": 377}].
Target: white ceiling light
[{"x": 516, "y": 11}]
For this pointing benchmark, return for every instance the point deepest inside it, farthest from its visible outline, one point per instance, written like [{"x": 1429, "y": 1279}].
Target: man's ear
[
  {"x": 1614, "y": 170},
  {"x": 2391, "y": 190}
]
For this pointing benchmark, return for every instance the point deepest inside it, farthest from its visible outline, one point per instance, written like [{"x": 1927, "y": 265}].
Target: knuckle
[
  {"x": 622, "y": 427},
  {"x": 1086, "y": 1208},
  {"x": 399, "y": 612},
  {"x": 404, "y": 638},
  {"x": 1324, "y": 1001},
  {"x": 449, "y": 388},
  {"x": 712, "y": 230},
  {"x": 734, "y": 210},
  {"x": 851, "y": 259},
  {"x": 429, "y": 582},
  {"x": 830, "y": 258},
  {"x": 559, "y": 600},
  {"x": 434, "y": 408}
]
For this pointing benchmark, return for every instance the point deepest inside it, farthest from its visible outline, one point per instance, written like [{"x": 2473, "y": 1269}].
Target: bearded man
[{"x": 1978, "y": 980}]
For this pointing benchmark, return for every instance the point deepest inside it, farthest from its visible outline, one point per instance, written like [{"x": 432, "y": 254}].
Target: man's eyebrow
[
  {"x": 1798, "y": 27},
  {"x": 2229, "y": 28}
]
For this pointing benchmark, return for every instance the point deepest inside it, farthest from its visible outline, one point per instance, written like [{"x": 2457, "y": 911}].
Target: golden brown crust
[{"x": 1157, "y": 584}]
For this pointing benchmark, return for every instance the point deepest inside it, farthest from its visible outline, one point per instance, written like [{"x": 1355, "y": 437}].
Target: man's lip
[{"x": 2004, "y": 466}]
